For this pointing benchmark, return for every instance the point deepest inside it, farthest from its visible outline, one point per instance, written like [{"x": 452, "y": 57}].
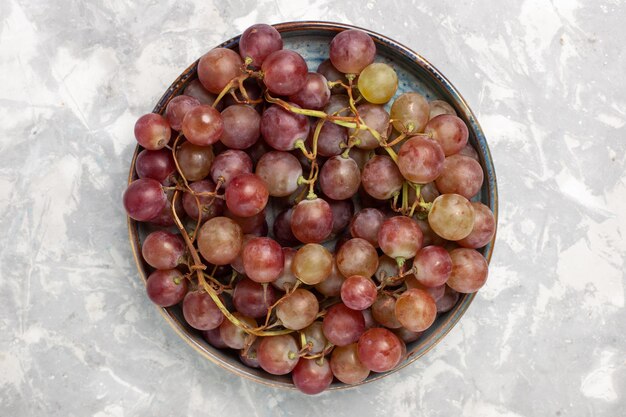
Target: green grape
[{"x": 378, "y": 82}]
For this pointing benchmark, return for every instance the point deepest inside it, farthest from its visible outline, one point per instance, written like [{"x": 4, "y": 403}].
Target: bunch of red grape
[{"x": 299, "y": 221}]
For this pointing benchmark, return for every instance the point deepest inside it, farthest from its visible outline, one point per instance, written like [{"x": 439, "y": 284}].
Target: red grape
[
  {"x": 400, "y": 237},
  {"x": 358, "y": 292},
  {"x": 234, "y": 336},
  {"x": 152, "y": 131},
  {"x": 167, "y": 287},
  {"x": 158, "y": 165},
  {"x": 229, "y": 164},
  {"x": 448, "y": 301},
  {"x": 242, "y": 126},
  {"x": 177, "y": 109},
  {"x": 218, "y": 67},
  {"x": 312, "y": 263},
  {"x": 377, "y": 118},
  {"x": 286, "y": 279},
  {"x": 379, "y": 349},
  {"x": 144, "y": 199},
  {"x": 281, "y": 129},
  {"x": 366, "y": 225},
  {"x": 331, "y": 286},
  {"x": 253, "y": 299},
  {"x": 282, "y": 228},
  {"x": 314, "y": 94},
  {"x": 469, "y": 270},
  {"x": 280, "y": 171},
  {"x": 312, "y": 376},
  {"x": 297, "y": 309},
  {"x": 483, "y": 230},
  {"x": 196, "y": 90},
  {"x": 209, "y": 206},
  {"x": 314, "y": 335},
  {"x": 357, "y": 257},
  {"x": 449, "y": 131},
  {"x": 312, "y": 220},
  {"x": 451, "y": 216},
  {"x": 340, "y": 178},
  {"x": 203, "y": 125},
  {"x": 163, "y": 250},
  {"x": 195, "y": 161},
  {"x": 351, "y": 51},
  {"x": 342, "y": 213},
  {"x": 420, "y": 160},
  {"x": 284, "y": 72},
  {"x": 381, "y": 177},
  {"x": 201, "y": 312},
  {"x": 460, "y": 175},
  {"x": 332, "y": 74},
  {"x": 384, "y": 311},
  {"x": 246, "y": 195},
  {"x": 410, "y": 113},
  {"x": 259, "y": 41},
  {"x": 433, "y": 265},
  {"x": 346, "y": 365},
  {"x": 342, "y": 325},
  {"x": 220, "y": 240},
  {"x": 263, "y": 259},
  {"x": 330, "y": 139},
  {"x": 213, "y": 337},
  {"x": 278, "y": 355},
  {"x": 416, "y": 310}
]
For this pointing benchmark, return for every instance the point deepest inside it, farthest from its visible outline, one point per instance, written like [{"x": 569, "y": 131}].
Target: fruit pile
[{"x": 297, "y": 220}]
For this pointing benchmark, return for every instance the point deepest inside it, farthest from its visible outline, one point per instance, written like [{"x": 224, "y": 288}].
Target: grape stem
[{"x": 198, "y": 267}]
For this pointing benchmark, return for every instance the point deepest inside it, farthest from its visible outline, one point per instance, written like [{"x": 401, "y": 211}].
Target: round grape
[
  {"x": 469, "y": 270},
  {"x": 263, "y": 259},
  {"x": 340, "y": 177},
  {"x": 278, "y": 355},
  {"x": 357, "y": 257},
  {"x": 312, "y": 220},
  {"x": 416, "y": 310},
  {"x": 218, "y": 67},
  {"x": 420, "y": 160},
  {"x": 483, "y": 230},
  {"x": 314, "y": 94},
  {"x": 194, "y": 161},
  {"x": 281, "y": 129},
  {"x": 460, "y": 175},
  {"x": 229, "y": 164},
  {"x": 284, "y": 72},
  {"x": 177, "y": 109},
  {"x": 246, "y": 195},
  {"x": 381, "y": 177},
  {"x": 242, "y": 126},
  {"x": 451, "y": 216},
  {"x": 312, "y": 263},
  {"x": 144, "y": 199},
  {"x": 201, "y": 312},
  {"x": 343, "y": 326},
  {"x": 346, "y": 365},
  {"x": 163, "y": 250},
  {"x": 167, "y": 287},
  {"x": 152, "y": 131},
  {"x": 400, "y": 237},
  {"x": 449, "y": 131},
  {"x": 220, "y": 240},
  {"x": 259, "y": 41},
  {"x": 312, "y": 376},
  {"x": 410, "y": 113},
  {"x": 158, "y": 165},
  {"x": 351, "y": 51},
  {"x": 379, "y": 349},
  {"x": 280, "y": 171},
  {"x": 358, "y": 292},
  {"x": 378, "y": 82},
  {"x": 297, "y": 309}
]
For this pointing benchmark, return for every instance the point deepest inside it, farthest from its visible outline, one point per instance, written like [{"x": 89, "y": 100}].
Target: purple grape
[
  {"x": 258, "y": 42},
  {"x": 144, "y": 199},
  {"x": 314, "y": 94},
  {"x": 158, "y": 165},
  {"x": 281, "y": 129},
  {"x": 351, "y": 51},
  {"x": 284, "y": 72}
]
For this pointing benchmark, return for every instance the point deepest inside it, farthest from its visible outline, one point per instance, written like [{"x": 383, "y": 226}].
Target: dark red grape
[
  {"x": 332, "y": 74},
  {"x": 342, "y": 213},
  {"x": 420, "y": 160},
  {"x": 448, "y": 301},
  {"x": 483, "y": 230},
  {"x": 229, "y": 164},
  {"x": 340, "y": 178},
  {"x": 366, "y": 223},
  {"x": 209, "y": 206},
  {"x": 263, "y": 259},
  {"x": 358, "y": 292},
  {"x": 330, "y": 139},
  {"x": 213, "y": 337},
  {"x": 282, "y": 228},
  {"x": 163, "y": 250}
]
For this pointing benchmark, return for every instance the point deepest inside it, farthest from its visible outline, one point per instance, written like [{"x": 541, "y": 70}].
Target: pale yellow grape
[{"x": 378, "y": 82}]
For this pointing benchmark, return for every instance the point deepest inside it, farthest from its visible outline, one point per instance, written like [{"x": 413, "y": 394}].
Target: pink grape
[
  {"x": 220, "y": 240},
  {"x": 438, "y": 107},
  {"x": 330, "y": 139},
  {"x": 286, "y": 279},
  {"x": 166, "y": 287},
  {"x": 451, "y": 216},
  {"x": 248, "y": 224},
  {"x": 406, "y": 335},
  {"x": 351, "y": 51},
  {"x": 400, "y": 237},
  {"x": 366, "y": 225},
  {"x": 152, "y": 131},
  {"x": 253, "y": 299},
  {"x": 177, "y": 109},
  {"x": 342, "y": 213},
  {"x": 469, "y": 150},
  {"x": 282, "y": 228},
  {"x": 209, "y": 206},
  {"x": 312, "y": 263},
  {"x": 420, "y": 160},
  {"x": 284, "y": 72},
  {"x": 460, "y": 175},
  {"x": 196, "y": 90},
  {"x": 332, "y": 74},
  {"x": 234, "y": 336},
  {"x": 435, "y": 292},
  {"x": 410, "y": 113},
  {"x": 263, "y": 259},
  {"x": 346, "y": 365},
  {"x": 469, "y": 270},
  {"x": 144, "y": 199},
  {"x": 259, "y": 41},
  {"x": 201, "y": 312},
  {"x": 218, "y": 67},
  {"x": 298, "y": 309},
  {"x": 357, "y": 257},
  {"x": 377, "y": 118},
  {"x": 343, "y": 326},
  {"x": 213, "y": 337},
  {"x": 483, "y": 230},
  {"x": 449, "y": 131},
  {"x": 246, "y": 195},
  {"x": 203, "y": 125},
  {"x": 195, "y": 161},
  {"x": 416, "y": 310},
  {"x": 448, "y": 301}
]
